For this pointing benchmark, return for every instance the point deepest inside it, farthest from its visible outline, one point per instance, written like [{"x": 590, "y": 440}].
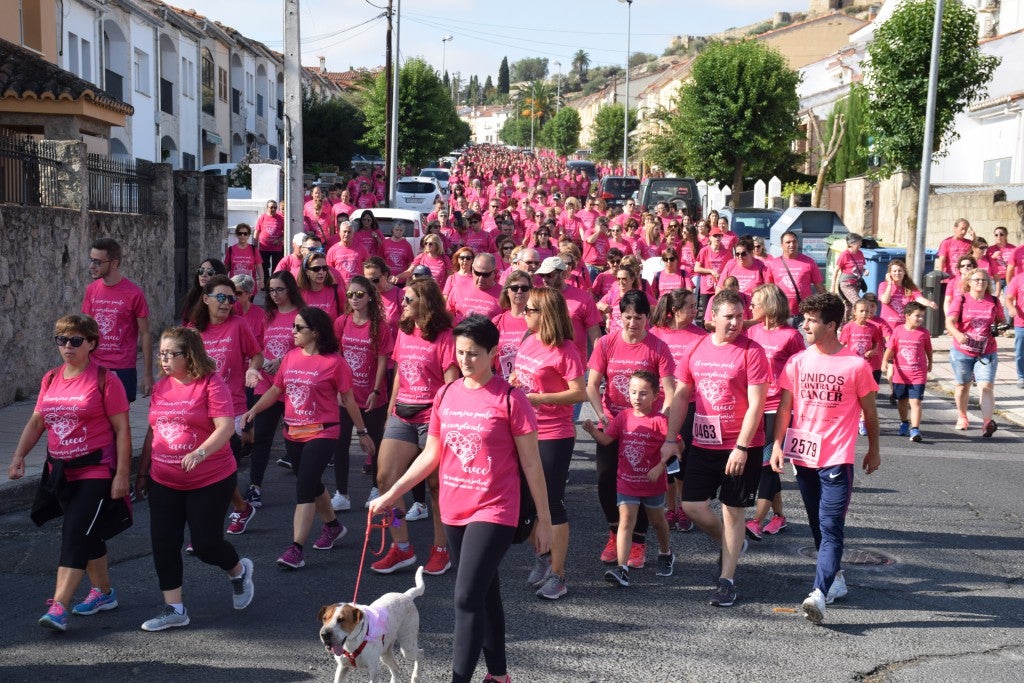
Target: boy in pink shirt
[{"x": 907, "y": 362}]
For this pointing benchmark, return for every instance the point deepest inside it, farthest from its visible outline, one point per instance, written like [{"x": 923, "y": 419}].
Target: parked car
[
  {"x": 366, "y": 161},
  {"x": 386, "y": 218},
  {"x": 443, "y": 175},
  {"x": 811, "y": 226},
  {"x": 587, "y": 167},
  {"x": 683, "y": 191},
  {"x": 751, "y": 221},
  {"x": 616, "y": 189},
  {"x": 416, "y": 193}
]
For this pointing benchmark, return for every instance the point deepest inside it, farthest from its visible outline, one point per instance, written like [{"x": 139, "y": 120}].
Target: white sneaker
[
  {"x": 340, "y": 502},
  {"x": 374, "y": 493},
  {"x": 416, "y": 511},
  {"x": 838, "y": 588},
  {"x": 814, "y": 607}
]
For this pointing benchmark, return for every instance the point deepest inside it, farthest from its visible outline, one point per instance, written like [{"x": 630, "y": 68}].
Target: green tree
[
  {"x": 562, "y": 132},
  {"x": 662, "y": 146},
  {"x": 330, "y": 129},
  {"x": 851, "y": 159},
  {"x": 897, "y": 74},
  {"x": 503, "y": 80},
  {"x": 738, "y": 113},
  {"x": 428, "y": 125},
  {"x": 530, "y": 69},
  {"x": 580, "y": 64},
  {"x": 606, "y": 132},
  {"x": 488, "y": 89},
  {"x": 515, "y": 131}
]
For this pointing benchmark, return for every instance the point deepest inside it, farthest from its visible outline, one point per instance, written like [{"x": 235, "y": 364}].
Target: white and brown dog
[{"x": 364, "y": 636}]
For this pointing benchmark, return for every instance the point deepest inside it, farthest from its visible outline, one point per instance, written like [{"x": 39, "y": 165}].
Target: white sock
[{"x": 178, "y": 607}]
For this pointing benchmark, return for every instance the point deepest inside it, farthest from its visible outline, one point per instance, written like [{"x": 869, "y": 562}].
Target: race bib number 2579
[{"x": 802, "y": 447}]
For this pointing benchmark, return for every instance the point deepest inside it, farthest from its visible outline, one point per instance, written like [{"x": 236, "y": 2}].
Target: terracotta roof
[
  {"x": 25, "y": 75},
  {"x": 348, "y": 80},
  {"x": 857, "y": 24}
]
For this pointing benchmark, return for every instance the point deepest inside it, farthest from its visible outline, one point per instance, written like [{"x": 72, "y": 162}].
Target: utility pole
[
  {"x": 395, "y": 108},
  {"x": 293, "y": 123},
  {"x": 388, "y": 106}
]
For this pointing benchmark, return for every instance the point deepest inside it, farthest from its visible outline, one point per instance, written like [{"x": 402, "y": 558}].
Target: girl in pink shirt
[
  {"x": 673, "y": 276},
  {"x": 191, "y": 472},
  {"x": 84, "y": 410},
  {"x": 313, "y": 378},
  {"x": 244, "y": 258},
  {"x": 896, "y": 290}
]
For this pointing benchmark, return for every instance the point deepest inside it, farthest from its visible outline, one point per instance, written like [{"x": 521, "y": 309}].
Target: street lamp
[
  {"x": 625, "y": 123},
  {"x": 444, "y": 54},
  {"x": 558, "y": 96}
]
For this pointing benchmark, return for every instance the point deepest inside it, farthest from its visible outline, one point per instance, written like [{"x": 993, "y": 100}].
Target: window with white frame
[
  {"x": 140, "y": 72},
  {"x": 73, "y": 63},
  {"x": 86, "y": 60},
  {"x": 188, "y": 78}
]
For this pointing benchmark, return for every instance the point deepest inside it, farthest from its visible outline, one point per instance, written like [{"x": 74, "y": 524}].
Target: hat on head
[
  {"x": 551, "y": 264},
  {"x": 716, "y": 231},
  {"x": 422, "y": 271}
]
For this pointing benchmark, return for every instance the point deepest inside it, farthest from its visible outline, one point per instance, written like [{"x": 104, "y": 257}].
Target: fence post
[
  {"x": 726, "y": 196},
  {"x": 759, "y": 194},
  {"x": 702, "y": 192},
  {"x": 774, "y": 188}
]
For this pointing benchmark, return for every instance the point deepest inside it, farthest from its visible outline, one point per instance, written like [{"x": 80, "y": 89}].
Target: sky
[{"x": 351, "y": 33}]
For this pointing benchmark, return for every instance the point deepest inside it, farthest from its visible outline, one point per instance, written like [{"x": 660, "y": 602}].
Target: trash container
[
  {"x": 877, "y": 263},
  {"x": 836, "y": 245},
  {"x": 934, "y": 290}
]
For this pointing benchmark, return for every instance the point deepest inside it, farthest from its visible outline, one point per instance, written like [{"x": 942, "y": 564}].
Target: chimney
[{"x": 323, "y": 64}]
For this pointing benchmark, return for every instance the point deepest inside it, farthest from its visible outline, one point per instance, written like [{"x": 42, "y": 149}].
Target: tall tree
[
  {"x": 852, "y": 157},
  {"x": 503, "y": 79},
  {"x": 428, "y": 125},
  {"x": 661, "y": 145},
  {"x": 897, "y": 78},
  {"x": 562, "y": 132},
  {"x": 606, "y": 132},
  {"x": 488, "y": 88},
  {"x": 581, "y": 64},
  {"x": 331, "y": 129},
  {"x": 530, "y": 69},
  {"x": 738, "y": 114}
]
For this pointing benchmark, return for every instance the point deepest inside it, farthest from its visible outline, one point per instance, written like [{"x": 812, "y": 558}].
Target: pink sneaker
[
  {"x": 291, "y": 558},
  {"x": 683, "y": 521},
  {"x": 238, "y": 521},
  {"x": 328, "y": 536},
  {"x": 753, "y": 529},
  {"x": 775, "y": 525},
  {"x": 637, "y": 556},
  {"x": 610, "y": 553}
]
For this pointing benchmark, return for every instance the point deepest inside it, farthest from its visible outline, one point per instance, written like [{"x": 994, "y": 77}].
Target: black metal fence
[
  {"x": 119, "y": 186},
  {"x": 28, "y": 173}
]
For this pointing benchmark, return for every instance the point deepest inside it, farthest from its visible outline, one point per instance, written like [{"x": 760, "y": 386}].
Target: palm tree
[{"x": 580, "y": 64}]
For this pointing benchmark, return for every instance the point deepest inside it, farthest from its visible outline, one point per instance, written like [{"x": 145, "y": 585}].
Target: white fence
[{"x": 716, "y": 196}]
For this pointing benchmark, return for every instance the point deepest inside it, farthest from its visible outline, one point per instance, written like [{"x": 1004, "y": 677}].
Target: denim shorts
[
  {"x": 980, "y": 368},
  {"x": 902, "y": 391},
  {"x": 657, "y": 501}
]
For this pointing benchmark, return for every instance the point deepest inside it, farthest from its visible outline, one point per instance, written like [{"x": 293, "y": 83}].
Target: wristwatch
[
  {"x": 361, "y": 432},
  {"x": 201, "y": 452},
  {"x": 742, "y": 449}
]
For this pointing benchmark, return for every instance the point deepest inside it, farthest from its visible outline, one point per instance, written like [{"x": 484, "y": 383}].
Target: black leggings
[
  {"x": 269, "y": 257},
  {"x": 478, "y": 549},
  {"x": 203, "y": 509},
  {"x": 607, "y": 459},
  {"x": 81, "y": 501},
  {"x": 374, "y": 421},
  {"x": 555, "y": 456},
  {"x": 309, "y": 460},
  {"x": 264, "y": 429}
]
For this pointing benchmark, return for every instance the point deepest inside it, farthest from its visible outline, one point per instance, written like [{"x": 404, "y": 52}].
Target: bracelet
[
  {"x": 361, "y": 432},
  {"x": 742, "y": 449},
  {"x": 375, "y": 391}
]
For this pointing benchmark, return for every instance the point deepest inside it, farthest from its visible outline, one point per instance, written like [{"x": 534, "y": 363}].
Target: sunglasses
[
  {"x": 209, "y": 272},
  {"x": 242, "y": 234},
  {"x": 96, "y": 262},
  {"x": 408, "y": 300},
  {"x": 741, "y": 254},
  {"x": 532, "y": 310},
  {"x": 299, "y": 328},
  {"x": 318, "y": 269},
  {"x": 465, "y": 257},
  {"x": 518, "y": 289},
  {"x": 477, "y": 273},
  {"x": 356, "y": 294},
  {"x": 170, "y": 355},
  {"x": 62, "y": 340},
  {"x": 669, "y": 259},
  {"x": 224, "y": 298}
]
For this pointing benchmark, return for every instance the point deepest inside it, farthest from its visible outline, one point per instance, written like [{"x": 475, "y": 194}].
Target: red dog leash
[{"x": 392, "y": 517}]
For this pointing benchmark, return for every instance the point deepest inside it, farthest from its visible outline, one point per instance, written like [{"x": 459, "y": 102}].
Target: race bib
[
  {"x": 974, "y": 345},
  {"x": 506, "y": 362},
  {"x": 802, "y": 447},
  {"x": 707, "y": 430}
]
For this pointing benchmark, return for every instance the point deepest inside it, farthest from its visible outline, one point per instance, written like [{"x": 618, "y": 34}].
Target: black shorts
[
  {"x": 705, "y": 478},
  {"x": 770, "y": 484}
]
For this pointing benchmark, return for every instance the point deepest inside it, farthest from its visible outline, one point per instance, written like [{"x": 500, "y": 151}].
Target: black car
[
  {"x": 682, "y": 191},
  {"x": 616, "y": 189}
]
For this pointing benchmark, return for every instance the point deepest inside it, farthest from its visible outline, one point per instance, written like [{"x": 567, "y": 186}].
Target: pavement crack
[{"x": 881, "y": 672}]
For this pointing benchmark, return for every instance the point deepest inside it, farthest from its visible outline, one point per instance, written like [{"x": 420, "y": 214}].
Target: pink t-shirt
[
  {"x": 910, "y": 352},
  {"x": 749, "y": 278},
  {"x": 851, "y": 264},
  {"x": 617, "y": 360},
  {"x": 542, "y": 369},
  {"x": 361, "y": 351},
  {"x": 271, "y": 232},
  {"x": 511, "y": 331},
  {"x": 255, "y": 318},
  {"x": 479, "y": 471},
  {"x": 421, "y": 366},
  {"x": 974, "y": 317},
  {"x": 713, "y": 260},
  {"x": 231, "y": 344},
  {"x": 665, "y": 282},
  {"x": 596, "y": 254},
  {"x": 348, "y": 260},
  {"x": 241, "y": 261},
  {"x": 583, "y": 313},
  {"x": 398, "y": 255},
  {"x": 612, "y": 299},
  {"x": 952, "y": 249},
  {"x": 1000, "y": 257},
  {"x": 181, "y": 417},
  {"x": 77, "y": 418},
  {"x": 680, "y": 341},
  {"x": 805, "y": 273},
  {"x": 471, "y": 299},
  {"x": 369, "y": 239},
  {"x": 827, "y": 402},
  {"x": 862, "y": 338},
  {"x": 116, "y": 309},
  {"x": 892, "y": 312},
  {"x": 327, "y": 299},
  {"x": 720, "y": 377},
  {"x": 603, "y": 283},
  {"x": 1015, "y": 289},
  {"x": 391, "y": 300},
  {"x": 277, "y": 341},
  {"x": 640, "y": 439},
  {"x": 439, "y": 267},
  {"x": 311, "y": 385},
  {"x": 779, "y": 344},
  {"x": 480, "y": 241}
]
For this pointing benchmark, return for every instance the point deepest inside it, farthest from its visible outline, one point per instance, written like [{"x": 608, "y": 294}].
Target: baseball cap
[
  {"x": 716, "y": 231},
  {"x": 551, "y": 264},
  {"x": 422, "y": 272}
]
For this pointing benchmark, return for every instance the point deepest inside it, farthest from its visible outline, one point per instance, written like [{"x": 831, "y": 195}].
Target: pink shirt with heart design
[
  {"x": 181, "y": 417},
  {"x": 361, "y": 351},
  {"x": 511, "y": 331},
  {"x": 77, "y": 418},
  {"x": 640, "y": 439},
  {"x": 543, "y": 369},
  {"x": 862, "y": 338},
  {"x": 910, "y": 352},
  {"x": 116, "y": 309},
  {"x": 327, "y": 299},
  {"x": 277, "y": 341},
  {"x": 397, "y": 254},
  {"x": 617, "y": 360},
  {"x": 231, "y": 344},
  {"x": 311, "y": 385},
  {"x": 420, "y": 366},
  {"x": 720, "y": 375},
  {"x": 779, "y": 343},
  {"x": 479, "y": 470},
  {"x": 974, "y": 317}
]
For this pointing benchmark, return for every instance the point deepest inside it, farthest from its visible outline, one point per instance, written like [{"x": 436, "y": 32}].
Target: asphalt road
[{"x": 950, "y": 606}]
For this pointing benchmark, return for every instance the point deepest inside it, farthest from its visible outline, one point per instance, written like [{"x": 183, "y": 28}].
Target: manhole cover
[{"x": 865, "y": 557}]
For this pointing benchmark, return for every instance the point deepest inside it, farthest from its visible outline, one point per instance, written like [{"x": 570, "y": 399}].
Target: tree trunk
[{"x": 737, "y": 180}]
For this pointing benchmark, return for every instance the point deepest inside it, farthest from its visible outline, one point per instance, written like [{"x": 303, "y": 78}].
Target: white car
[
  {"x": 442, "y": 175},
  {"x": 417, "y": 193},
  {"x": 386, "y": 218}
]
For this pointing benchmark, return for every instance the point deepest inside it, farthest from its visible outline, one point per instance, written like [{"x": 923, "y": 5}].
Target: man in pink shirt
[
  {"x": 477, "y": 239},
  {"x": 345, "y": 257},
  {"x": 120, "y": 309},
  {"x": 824, "y": 391},
  {"x": 482, "y": 296},
  {"x": 796, "y": 274}
]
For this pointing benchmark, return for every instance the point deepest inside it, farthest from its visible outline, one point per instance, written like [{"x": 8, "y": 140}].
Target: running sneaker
[
  {"x": 242, "y": 585},
  {"x": 672, "y": 517},
  {"x": 776, "y": 524},
  {"x": 915, "y": 435},
  {"x": 374, "y": 493},
  {"x": 168, "y": 618},
  {"x": 618, "y": 575},
  {"x": 838, "y": 588},
  {"x": 862, "y": 428},
  {"x": 416, "y": 512},
  {"x": 990, "y": 428},
  {"x": 814, "y": 607},
  {"x": 637, "y": 556},
  {"x": 340, "y": 502},
  {"x": 683, "y": 521},
  {"x": 253, "y": 496},
  {"x": 395, "y": 559},
  {"x": 96, "y": 601},
  {"x": 291, "y": 558},
  {"x": 328, "y": 536},
  {"x": 552, "y": 588},
  {"x": 238, "y": 521},
  {"x": 541, "y": 570},
  {"x": 55, "y": 619},
  {"x": 962, "y": 423},
  {"x": 610, "y": 553},
  {"x": 725, "y": 595},
  {"x": 439, "y": 561},
  {"x": 753, "y": 529},
  {"x": 904, "y": 429},
  {"x": 491, "y": 679},
  {"x": 666, "y": 562},
  {"x": 285, "y": 463}
]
